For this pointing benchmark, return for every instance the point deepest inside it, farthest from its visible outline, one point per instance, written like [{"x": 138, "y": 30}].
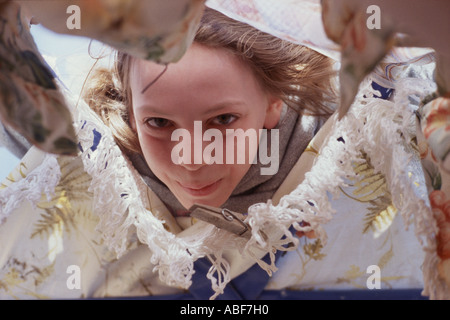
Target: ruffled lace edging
[
  {"x": 119, "y": 204},
  {"x": 384, "y": 130},
  {"x": 41, "y": 180}
]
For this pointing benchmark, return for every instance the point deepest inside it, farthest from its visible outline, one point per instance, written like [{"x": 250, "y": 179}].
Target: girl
[
  {"x": 91, "y": 237},
  {"x": 233, "y": 77}
]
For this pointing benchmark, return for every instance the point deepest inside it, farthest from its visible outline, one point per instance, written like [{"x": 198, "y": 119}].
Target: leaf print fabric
[
  {"x": 160, "y": 31},
  {"x": 365, "y": 50},
  {"x": 345, "y": 22},
  {"x": 30, "y": 100},
  {"x": 50, "y": 229},
  {"x": 438, "y": 183},
  {"x": 436, "y": 129},
  {"x": 295, "y": 21}
]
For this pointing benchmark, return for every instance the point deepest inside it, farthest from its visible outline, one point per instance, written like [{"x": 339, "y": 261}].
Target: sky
[{"x": 69, "y": 57}]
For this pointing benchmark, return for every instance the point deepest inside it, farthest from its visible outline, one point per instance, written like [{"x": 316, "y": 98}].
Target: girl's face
[{"x": 209, "y": 85}]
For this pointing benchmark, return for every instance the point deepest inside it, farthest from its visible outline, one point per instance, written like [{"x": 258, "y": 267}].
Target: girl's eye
[
  {"x": 224, "y": 119},
  {"x": 157, "y": 122}
]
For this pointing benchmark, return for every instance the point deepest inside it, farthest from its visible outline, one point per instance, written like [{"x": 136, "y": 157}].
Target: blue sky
[
  {"x": 8, "y": 162},
  {"x": 69, "y": 57}
]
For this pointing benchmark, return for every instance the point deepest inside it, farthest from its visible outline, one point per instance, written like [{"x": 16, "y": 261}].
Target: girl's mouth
[{"x": 201, "y": 190}]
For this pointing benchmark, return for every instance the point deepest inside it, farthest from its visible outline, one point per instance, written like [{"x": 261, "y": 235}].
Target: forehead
[{"x": 201, "y": 69}]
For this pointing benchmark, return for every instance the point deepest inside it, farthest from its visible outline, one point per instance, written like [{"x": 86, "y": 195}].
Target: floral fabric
[
  {"x": 361, "y": 48},
  {"x": 364, "y": 49},
  {"x": 61, "y": 244},
  {"x": 151, "y": 30},
  {"x": 435, "y": 152},
  {"x": 30, "y": 100},
  {"x": 59, "y": 212},
  {"x": 295, "y": 21},
  {"x": 370, "y": 54}
]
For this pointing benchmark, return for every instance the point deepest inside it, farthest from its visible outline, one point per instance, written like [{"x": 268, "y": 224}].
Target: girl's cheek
[{"x": 156, "y": 151}]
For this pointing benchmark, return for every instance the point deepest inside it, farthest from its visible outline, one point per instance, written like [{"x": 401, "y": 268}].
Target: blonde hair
[{"x": 301, "y": 77}]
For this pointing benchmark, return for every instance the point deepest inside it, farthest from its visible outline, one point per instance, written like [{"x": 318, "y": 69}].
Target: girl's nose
[{"x": 198, "y": 148}]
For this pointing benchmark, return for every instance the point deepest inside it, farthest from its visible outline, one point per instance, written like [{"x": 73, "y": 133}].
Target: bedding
[{"x": 392, "y": 129}]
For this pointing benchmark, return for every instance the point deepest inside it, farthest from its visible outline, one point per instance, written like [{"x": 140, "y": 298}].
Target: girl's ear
[{"x": 273, "y": 113}]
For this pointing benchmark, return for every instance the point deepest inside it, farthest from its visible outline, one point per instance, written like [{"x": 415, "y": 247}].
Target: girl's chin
[
  {"x": 215, "y": 202},
  {"x": 215, "y": 194}
]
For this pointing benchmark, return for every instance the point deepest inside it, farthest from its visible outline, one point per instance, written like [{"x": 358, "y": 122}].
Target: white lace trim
[
  {"x": 42, "y": 180},
  {"x": 417, "y": 209},
  {"x": 381, "y": 128}
]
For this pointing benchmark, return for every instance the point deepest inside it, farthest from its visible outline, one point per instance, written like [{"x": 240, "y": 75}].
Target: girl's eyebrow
[
  {"x": 224, "y": 106},
  {"x": 153, "y": 110},
  {"x": 215, "y": 109}
]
